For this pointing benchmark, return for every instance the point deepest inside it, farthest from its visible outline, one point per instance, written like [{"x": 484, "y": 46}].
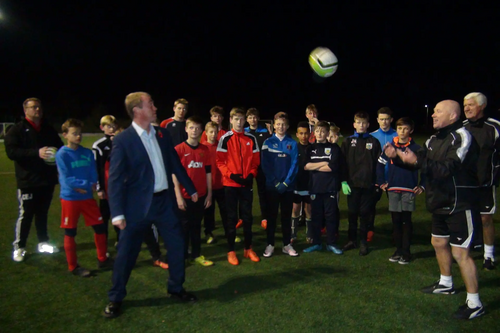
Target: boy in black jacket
[
  {"x": 361, "y": 152},
  {"x": 326, "y": 165}
]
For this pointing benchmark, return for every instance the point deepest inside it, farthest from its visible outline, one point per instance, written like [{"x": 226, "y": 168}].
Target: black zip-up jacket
[
  {"x": 486, "y": 131},
  {"x": 102, "y": 152},
  {"x": 361, "y": 152},
  {"x": 302, "y": 183},
  {"x": 449, "y": 161},
  {"x": 22, "y": 145}
]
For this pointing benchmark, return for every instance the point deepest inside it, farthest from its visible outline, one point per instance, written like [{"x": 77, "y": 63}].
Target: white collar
[{"x": 140, "y": 130}]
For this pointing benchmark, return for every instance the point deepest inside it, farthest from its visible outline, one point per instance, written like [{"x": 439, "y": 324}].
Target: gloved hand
[
  {"x": 237, "y": 178},
  {"x": 281, "y": 188},
  {"x": 249, "y": 181},
  {"x": 345, "y": 188}
]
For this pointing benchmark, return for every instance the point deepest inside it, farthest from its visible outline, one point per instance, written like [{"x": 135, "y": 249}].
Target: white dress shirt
[{"x": 155, "y": 157}]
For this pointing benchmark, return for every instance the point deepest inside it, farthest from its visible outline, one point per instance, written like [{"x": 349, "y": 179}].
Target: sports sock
[
  {"x": 473, "y": 300},
  {"x": 309, "y": 232},
  {"x": 446, "y": 281},
  {"x": 295, "y": 224},
  {"x": 489, "y": 251},
  {"x": 70, "y": 249},
  {"x": 101, "y": 245}
]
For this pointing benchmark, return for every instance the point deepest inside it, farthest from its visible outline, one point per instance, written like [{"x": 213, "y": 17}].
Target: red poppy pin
[{"x": 160, "y": 134}]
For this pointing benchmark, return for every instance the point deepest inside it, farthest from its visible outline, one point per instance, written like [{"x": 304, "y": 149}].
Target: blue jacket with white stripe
[{"x": 279, "y": 161}]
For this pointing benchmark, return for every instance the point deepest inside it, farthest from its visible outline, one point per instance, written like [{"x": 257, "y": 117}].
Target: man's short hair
[
  {"x": 313, "y": 108},
  {"x": 303, "y": 124},
  {"x": 217, "y": 110},
  {"x": 71, "y": 122},
  {"x": 236, "y": 111},
  {"x": 384, "y": 110},
  {"x": 194, "y": 120},
  {"x": 478, "y": 97},
  {"x": 362, "y": 115},
  {"x": 281, "y": 115},
  {"x": 181, "y": 101},
  {"x": 405, "y": 121},
  {"x": 108, "y": 120},
  {"x": 322, "y": 124},
  {"x": 31, "y": 99},
  {"x": 252, "y": 112},
  {"x": 132, "y": 100},
  {"x": 211, "y": 124}
]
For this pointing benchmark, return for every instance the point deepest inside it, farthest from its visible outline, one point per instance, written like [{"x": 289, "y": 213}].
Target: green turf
[{"x": 316, "y": 292}]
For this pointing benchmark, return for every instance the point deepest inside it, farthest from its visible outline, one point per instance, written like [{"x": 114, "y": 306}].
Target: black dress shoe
[
  {"x": 112, "y": 310},
  {"x": 184, "y": 296}
]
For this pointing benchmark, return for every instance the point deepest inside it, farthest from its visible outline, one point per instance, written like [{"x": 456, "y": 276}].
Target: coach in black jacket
[
  {"x": 449, "y": 162},
  {"x": 27, "y": 144}
]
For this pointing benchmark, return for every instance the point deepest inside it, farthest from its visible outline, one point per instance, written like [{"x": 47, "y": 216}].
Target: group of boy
[{"x": 294, "y": 177}]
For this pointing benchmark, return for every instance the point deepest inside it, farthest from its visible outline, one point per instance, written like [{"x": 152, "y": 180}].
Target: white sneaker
[
  {"x": 45, "y": 247},
  {"x": 18, "y": 255},
  {"x": 290, "y": 251},
  {"x": 268, "y": 252}
]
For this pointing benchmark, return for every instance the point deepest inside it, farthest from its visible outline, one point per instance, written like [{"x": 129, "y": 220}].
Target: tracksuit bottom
[
  {"x": 403, "y": 228},
  {"x": 325, "y": 211},
  {"x": 360, "y": 204},
  {"x": 191, "y": 225},
  {"x": 218, "y": 196},
  {"x": 33, "y": 202},
  {"x": 244, "y": 197},
  {"x": 276, "y": 200}
]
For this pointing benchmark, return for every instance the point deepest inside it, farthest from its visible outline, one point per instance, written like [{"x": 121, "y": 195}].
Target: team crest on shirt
[
  {"x": 313, "y": 196},
  {"x": 275, "y": 145},
  {"x": 328, "y": 151},
  {"x": 369, "y": 146},
  {"x": 289, "y": 147},
  {"x": 354, "y": 142},
  {"x": 173, "y": 125}
]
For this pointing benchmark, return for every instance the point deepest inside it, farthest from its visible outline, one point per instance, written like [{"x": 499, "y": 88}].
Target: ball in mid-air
[
  {"x": 323, "y": 62},
  {"x": 51, "y": 156}
]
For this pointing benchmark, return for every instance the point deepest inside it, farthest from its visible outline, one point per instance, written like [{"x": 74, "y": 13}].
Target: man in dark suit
[{"x": 141, "y": 192}]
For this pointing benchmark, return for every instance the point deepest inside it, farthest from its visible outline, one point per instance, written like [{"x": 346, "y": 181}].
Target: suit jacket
[{"x": 131, "y": 175}]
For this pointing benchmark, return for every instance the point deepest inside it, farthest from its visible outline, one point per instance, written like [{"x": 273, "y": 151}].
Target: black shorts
[
  {"x": 487, "y": 200},
  {"x": 457, "y": 227},
  {"x": 301, "y": 197}
]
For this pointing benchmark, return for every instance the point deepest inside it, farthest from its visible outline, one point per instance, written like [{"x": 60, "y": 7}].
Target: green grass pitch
[{"x": 316, "y": 292}]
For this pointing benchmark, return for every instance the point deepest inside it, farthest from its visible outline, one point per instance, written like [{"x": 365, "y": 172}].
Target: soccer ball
[
  {"x": 323, "y": 62},
  {"x": 51, "y": 158}
]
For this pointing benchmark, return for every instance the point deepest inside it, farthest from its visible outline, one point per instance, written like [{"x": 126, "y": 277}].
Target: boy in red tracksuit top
[
  {"x": 238, "y": 158},
  {"x": 217, "y": 187}
]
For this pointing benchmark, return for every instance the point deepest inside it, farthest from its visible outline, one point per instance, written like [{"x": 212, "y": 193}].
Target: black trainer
[
  {"x": 404, "y": 260},
  {"x": 437, "y": 288},
  {"x": 488, "y": 264},
  {"x": 464, "y": 312},
  {"x": 350, "y": 246},
  {"x": 82, "y": 272},
  {"x": 112, "y": 310},
  {"x": 395, "y": 257},
  {"x": 106, "y": 264},
  {"x": 363, "y": 249}
]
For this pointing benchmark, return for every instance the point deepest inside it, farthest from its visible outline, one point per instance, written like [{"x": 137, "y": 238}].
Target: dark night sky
[{"x": 76, "y": 56}]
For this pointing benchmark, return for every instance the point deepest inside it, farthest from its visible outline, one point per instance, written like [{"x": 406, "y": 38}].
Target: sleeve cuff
[{"x": 119, "y": 217}]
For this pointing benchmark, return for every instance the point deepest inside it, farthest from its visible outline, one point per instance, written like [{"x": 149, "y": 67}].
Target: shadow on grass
[{"x": 237, "y": 287}]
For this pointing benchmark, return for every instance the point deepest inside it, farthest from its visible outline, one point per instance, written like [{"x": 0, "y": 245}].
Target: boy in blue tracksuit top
[
  {"x": 78, "y": 179},
  {"x": 402, "y": 185},
  {"x": 279, "y": 161},
  {"x": 326, "y": 164}
]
